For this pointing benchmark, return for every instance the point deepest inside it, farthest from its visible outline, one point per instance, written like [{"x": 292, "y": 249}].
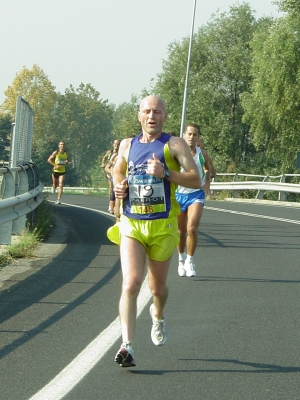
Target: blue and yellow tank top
[{"x": 150, "y": 197}]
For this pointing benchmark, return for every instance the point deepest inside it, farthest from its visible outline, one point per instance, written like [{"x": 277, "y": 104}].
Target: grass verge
[{"x": 28, "y": 240}]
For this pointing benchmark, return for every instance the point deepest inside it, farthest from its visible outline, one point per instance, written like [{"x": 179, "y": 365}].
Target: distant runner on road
[{"x": 59, "y": 159}]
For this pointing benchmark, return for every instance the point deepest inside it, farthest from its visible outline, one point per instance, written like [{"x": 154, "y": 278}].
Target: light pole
[{"x": 187, "y": 74}]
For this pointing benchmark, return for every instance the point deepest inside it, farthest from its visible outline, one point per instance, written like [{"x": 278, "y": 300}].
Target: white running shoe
[
  {"x": 189, "y": 267},
  {"x": 181, "y": 270},
  {"x": 124, "y": 356},
  {"x": 159, "y": 329},
  {"x": 57, "y": 201}
]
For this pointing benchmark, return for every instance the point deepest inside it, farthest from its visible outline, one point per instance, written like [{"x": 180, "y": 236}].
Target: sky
[{"x": 117, "y": 46}]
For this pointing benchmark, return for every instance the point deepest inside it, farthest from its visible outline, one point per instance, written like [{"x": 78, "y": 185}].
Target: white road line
[
  {"x": 291, "y": 221},
  {"x": 86, "y": 208},
  {"x": 69, "y": 377}
]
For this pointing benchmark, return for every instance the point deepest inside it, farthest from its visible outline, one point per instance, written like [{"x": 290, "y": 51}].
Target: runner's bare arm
[
  {"x": 213, "y": 173},
  {"x": 105, "y": 157},
  {"x": 120, "y": 167},
  {"x": 207, "y": 171},
  {"x": 52, "y": 158},
  {"x": 179, "y": 150},
  {"x": 107, "y": 168}
]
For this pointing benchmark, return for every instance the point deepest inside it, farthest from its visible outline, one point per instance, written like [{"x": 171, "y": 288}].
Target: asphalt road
[{"x": 234, "y": 330}]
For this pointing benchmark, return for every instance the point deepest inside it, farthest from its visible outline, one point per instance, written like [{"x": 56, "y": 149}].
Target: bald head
[
  {"x": 154, "y": 100},
  {"x": 152, "y": 115}
]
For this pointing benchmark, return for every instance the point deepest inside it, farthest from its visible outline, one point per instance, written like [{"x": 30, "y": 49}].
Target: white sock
[
  {"x": 181, "y": 256},
  {"x": 189, "y": 258}
]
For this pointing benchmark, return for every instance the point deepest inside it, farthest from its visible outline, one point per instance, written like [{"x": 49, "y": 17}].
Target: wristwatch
[{"x": 166, "y": 173}]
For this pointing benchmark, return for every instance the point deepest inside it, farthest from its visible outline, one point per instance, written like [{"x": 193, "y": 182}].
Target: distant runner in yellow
[{"x": 59, "y": 159}]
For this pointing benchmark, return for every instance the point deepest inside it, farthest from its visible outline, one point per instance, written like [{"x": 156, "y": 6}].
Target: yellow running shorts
[{"x": 158, "y": 236}]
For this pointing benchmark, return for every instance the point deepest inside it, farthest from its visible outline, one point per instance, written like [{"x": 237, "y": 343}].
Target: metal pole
[{"x": 187, "y": 75}]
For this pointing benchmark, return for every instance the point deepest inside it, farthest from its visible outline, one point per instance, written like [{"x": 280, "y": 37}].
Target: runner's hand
[
  {"x": 155, "y": 167},
  {"x": 120, "y": 189}
]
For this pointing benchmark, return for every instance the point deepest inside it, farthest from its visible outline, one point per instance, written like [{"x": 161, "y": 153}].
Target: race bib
[
  {"x": 61, "y": 161},
  {"x": 146, "y": 194}
]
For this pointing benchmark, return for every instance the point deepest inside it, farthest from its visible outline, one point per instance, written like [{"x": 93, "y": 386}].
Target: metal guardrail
[
  {"x": 235, "y": 186},
  {"x": 260, "y": 186},
  {"x": 21, "y": 194}
]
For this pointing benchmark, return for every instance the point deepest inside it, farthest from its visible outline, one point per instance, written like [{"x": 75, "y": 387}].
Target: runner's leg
[{"x": 133, "y": 257}]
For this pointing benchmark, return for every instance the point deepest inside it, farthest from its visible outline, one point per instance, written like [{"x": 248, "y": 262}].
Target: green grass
[
  {"x": 28, "y": 240},
  {"x": 25, "y": 247}
]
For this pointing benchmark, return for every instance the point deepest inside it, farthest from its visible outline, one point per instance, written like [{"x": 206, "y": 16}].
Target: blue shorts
[{"x": 186, "y": 200}]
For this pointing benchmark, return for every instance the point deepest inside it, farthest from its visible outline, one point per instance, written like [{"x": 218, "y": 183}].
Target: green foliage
[
  {"x": 98, "y": 175},
  {"x": 34, "y": 86},
  {"x": 243, "y": 91},
  {"x": 28, "y": 241},
  {"x": 39, "y": 157},
  {"x": 84, "y": 121},
  {"x": 44, "y": 220},
  {"x": 219, "y": 74},
  {"x": 125, "y": 119},
  {"x": 25, "y": 247},
  {"x": 5, "y": 132},
  {"x": 290, "y": 6},
  {"x": 170, "y": 83},
  {"x": 79, "y": 117},
  {"x": 272, "y": 105}
]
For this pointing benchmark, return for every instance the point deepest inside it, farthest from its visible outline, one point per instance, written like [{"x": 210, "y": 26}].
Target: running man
[
  {"x": 200, "y": 143},
  {"x": 191, "y": 203},
  {"x": 145, "y": 176},
  {"x": 109, "y": 174},
  {"x": 59, "y": 159},
  {"x": 110, "y": 155}
]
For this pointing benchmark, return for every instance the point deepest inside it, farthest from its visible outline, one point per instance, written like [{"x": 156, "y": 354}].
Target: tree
[
  {"x": 34, "y": 86},
  {"x": 84, "y": 121},
  {"x": 290, "y": 6},
  {"x": 272, "y": 106},
  {"x": 125, "y": 119},
  {"x": 170, "y": 83},
  {"x": 40, "y": 157},
  {"x": 219, "y": 74},
  {"x": 5, "y": 133}
]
